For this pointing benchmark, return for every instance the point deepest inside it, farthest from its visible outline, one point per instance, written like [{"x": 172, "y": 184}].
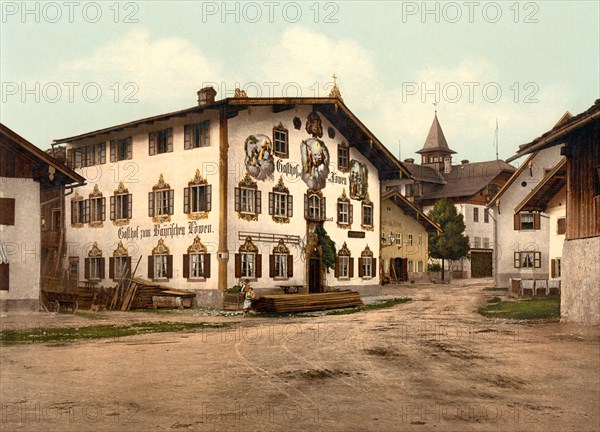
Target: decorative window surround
[
  {"x": 97, "y": 208},
  {"x": 196, "y": 262},
  {"x": 345, "y": 211},
  {"x": 94, "y": 264},
  {"x": 197, "y": 198},
  {"x": 281, "y": 203},
  {"x": 120, "y": 263},
  {"x": 281, "y": 262},
  {"x": 367, "y": 265},
  {"x": 121, "y": 206},
  {"x": 161, "y": 201},
  {"x": 280, "y": 141},
  {"x": 367, "y": 214},
  {"x": 248, "y": 262},
  {"x": 247, "y": 199},
  {"x": 344, "y": 264},
  {"x": 160, "y": 263}
]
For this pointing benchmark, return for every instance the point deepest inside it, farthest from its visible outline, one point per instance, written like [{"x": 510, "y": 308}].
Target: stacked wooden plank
[
  {"x": 287, "y": 303},
  {"x": 141, "y": 292}
]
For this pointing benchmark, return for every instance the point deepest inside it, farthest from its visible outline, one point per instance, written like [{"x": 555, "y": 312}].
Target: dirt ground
[{"x": 431, "y": 364}]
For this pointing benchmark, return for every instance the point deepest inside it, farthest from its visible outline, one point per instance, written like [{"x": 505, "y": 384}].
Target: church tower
[{"x": 435, "y": 151}]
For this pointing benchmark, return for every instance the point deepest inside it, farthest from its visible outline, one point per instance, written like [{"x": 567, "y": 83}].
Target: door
[
  {"x": 401, "y": 269},
  {"x": 314, "y": 273},
  {"x": 481, "y": 264}
]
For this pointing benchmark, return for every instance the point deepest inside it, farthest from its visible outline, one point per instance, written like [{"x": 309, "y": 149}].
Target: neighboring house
[
  {"x": 578, "y": 139},
  {"x": 26, "y": 172},
  {"x": 469, "y": 185},
  {"x": 230, "y": 190},
  {"x": 404, "y": 238},
  {"x": 522, "y": 248}
]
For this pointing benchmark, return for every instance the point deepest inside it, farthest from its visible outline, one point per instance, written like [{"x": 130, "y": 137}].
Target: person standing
[{"x": 248, "y": 297}]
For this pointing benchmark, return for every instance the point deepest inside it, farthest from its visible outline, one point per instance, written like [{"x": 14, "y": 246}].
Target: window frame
[
  {"x": 476, "y": 214},
  {"x": 531, "y": 258},
  {"x": 282, "y": 140},
  {"x": 370, "y": 222},
  {"x": 197, "y": 272},
  {"x": 248, "y": 266},
  {"x": 343, "y": 157},
  {"x": 196, "y": 135},
  {"x": 486, "y": 215}
]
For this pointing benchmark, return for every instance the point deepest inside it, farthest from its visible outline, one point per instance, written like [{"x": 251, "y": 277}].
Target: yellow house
[{"x": 404, "y": 238}]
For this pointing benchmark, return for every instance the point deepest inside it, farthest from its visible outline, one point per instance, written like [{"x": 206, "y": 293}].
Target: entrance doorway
[
  {"x": 401, "y": 269},
  {"x": 314, "y": 273}
]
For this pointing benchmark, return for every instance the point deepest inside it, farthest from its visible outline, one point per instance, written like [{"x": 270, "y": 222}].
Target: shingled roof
[
  {"x": 424, "y": 173},
  {"x": 467, "y": 179},
  {"x": 435, "y": 140}
]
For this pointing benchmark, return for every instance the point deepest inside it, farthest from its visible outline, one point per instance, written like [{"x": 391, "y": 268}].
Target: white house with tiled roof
[{"x": 230, "y": 190}]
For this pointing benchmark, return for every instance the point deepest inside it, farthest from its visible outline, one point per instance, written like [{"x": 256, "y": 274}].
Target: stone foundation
[
  {"x": 580, "y": 291},
  {"x": 19, "y": 305}
]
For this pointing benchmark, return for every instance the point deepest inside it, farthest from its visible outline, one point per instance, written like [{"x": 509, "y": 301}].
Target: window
[
  {"x": 196, "y": 263},
  {"x": 97, "y": 209},
  {"x": 280, "y": 203},
  {"x": 120, "y": 149},
  {"x": 198, "y": 199},
  {"x": 344, "y": 264},
  {"x": 555, "y": 268},
  {"x": 561, "y": 226},
  {"x": 410, "y": 240},
  {"x": 399, "y": 239},
  {"x": 420, "y": 239},
  {"x": 486, "y": 215},
  {"x": 475, "y": 214},
  {"x": 248, "y": 262},
  {"x": 248, "y": 199},
  {"x": 94, "y": 264},
  {"x": 486, "y": 243},
  {"x": 120, "y": 204},
  {"x": 160, "y": 263},
  {"x": 161, "y": 201},
  {"x": 119, "y": 264},
  {"x": 367, "y": 215},
  {"x": 527, "y": 259},
  {"x": 343, "y": 157},
  {"x": 88, "y": 155},
  {"x": 74, "y": 267},
  {"x": 314, "y": 206},
  {"x": 160, "y": 141},
  {"x": 527, "y": 221},
  {"x": 281, "y": 262},
  {"x": 4, "y": 276},
  {"x": 196, "y": 135},
  {"x": 413, "y": 189},
  {"x": 344, "y": 210},
  {"x": 411, "y": 266},
  {"x": 492, "y": 191},
  {"x": 7, "y": 211},
  {"x": 79, "y": 211},
  {"x": 477, "y": 242},
  {"x": 420, "y": 267},
  {"x": 280, "y": 141},
  {"x": 366, "y": 264}
]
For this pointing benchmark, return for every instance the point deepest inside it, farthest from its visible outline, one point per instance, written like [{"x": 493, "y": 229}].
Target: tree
[{"x": 451, "y": 244}]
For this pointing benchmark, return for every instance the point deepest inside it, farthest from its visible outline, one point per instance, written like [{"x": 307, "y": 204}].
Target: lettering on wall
[{"x": 164, "y": 230}]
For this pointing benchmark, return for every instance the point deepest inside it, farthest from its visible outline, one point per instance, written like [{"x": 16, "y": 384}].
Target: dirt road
[{"x": 431, "y": 364}]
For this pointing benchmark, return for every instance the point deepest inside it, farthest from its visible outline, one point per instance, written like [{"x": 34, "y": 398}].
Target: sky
[{"x": 71, "y": 67}]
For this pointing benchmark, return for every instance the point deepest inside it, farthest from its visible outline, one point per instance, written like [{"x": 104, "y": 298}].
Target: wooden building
[
  {"x": 579, "y": 141},
  {"x": 404, "y": 239},
  {"x": 27, "y": 175},
  {"x": 470, "y": 185},
  {"x": 229, "y": 190}
]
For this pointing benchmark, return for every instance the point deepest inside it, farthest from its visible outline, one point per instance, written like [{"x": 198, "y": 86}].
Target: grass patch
[
  {"x": 494, "y": 299},
  {"x": 70, "y": 334},
  {"x": 543, "y": 308},
  {"x": 495, "y": 289}
]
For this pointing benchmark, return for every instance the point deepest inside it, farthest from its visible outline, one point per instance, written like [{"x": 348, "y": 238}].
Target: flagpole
[{"x": 496, "y": 138}]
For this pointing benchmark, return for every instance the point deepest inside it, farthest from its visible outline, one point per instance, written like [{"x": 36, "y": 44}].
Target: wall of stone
[{"x": 580, "y": 291}]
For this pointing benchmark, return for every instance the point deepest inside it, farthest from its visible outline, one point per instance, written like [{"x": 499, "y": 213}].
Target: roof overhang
[
  {"x": 62, "y": 174},
  {"x": 551, "y": 184},
  {"x": 558, "y": 134},
  {"x": 410, "y": 210},
  {"x": 360, "y": 137}
]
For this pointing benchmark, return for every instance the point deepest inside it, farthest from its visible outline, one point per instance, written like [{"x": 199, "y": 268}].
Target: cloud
[{"x": 164, "y": 69}]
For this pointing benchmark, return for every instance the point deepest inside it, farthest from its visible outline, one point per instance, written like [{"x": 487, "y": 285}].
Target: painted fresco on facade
[
  {"x": 358, "y": 180},
  {"x": 315, "y": 163},
  {"x": 259, "y": 157}
]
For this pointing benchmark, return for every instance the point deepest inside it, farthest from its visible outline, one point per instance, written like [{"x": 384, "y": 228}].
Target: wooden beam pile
[
  {"x": 143, "y": 290},
  {"x": 286, "y": 303}
]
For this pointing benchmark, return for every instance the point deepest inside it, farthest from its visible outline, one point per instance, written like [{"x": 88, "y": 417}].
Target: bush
[
  {"x": 235, "y": 289},
  {"x": 434, "y": 267}
]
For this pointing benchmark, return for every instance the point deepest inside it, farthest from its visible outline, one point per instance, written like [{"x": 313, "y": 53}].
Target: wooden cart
[{"x": 58, "y": 301}]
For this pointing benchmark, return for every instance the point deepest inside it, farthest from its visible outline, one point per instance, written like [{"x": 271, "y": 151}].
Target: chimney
[
  {"x": 206, "y": 96},
  {"x": 464, "y": 161},
  {"x": 409, "y": 160}
]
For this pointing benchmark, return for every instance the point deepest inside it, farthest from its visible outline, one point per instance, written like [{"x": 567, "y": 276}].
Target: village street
[{"x": 430, "y": 364}]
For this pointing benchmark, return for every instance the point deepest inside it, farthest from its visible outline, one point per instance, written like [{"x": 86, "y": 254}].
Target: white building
[
  {"x": 25, "y": 171},
  {"x": 523, "y": 247},
  {"x": 229, "y": 190}
]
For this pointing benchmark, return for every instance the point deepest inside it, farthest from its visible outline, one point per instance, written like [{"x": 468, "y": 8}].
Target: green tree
[{"x": 451, "y": 244}]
